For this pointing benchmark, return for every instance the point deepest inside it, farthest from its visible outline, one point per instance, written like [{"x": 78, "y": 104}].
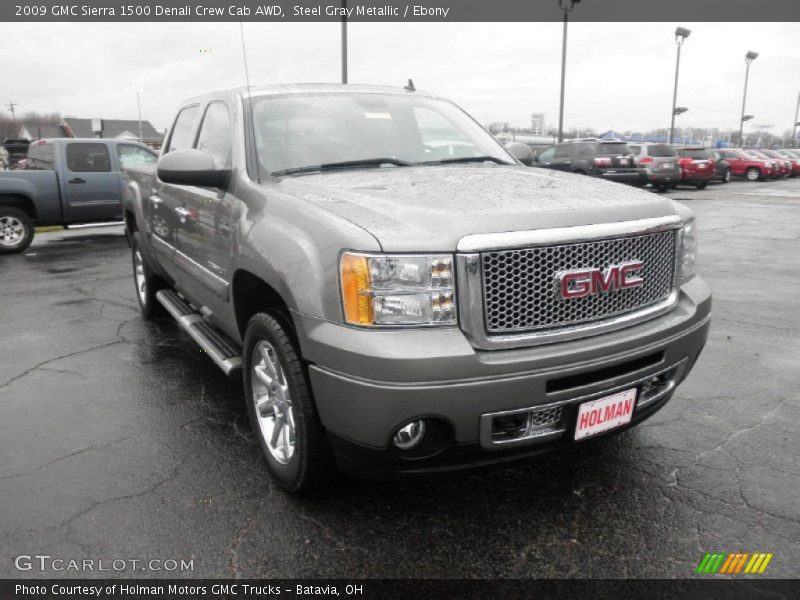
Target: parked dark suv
[{"x": 611, "y": 160}]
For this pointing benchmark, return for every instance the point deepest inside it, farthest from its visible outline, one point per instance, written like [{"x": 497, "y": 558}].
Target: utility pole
[
  {"x": 796, "y": 123},
  {"x": 344, "y": 41},
  {"x": 11, "y": 106},
  {"x": 139, "y": 109}
]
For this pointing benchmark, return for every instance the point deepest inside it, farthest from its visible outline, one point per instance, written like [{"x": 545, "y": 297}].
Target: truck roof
[{"x": 309, "y": 88}]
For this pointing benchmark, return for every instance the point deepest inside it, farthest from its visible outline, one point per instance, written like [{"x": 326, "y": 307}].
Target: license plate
[
  {"x": 623, "y": 161},
  {"x": 668, "y": 165},
  {"x": 605, "y": 413}
]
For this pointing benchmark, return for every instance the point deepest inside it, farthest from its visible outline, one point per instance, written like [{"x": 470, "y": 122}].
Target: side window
[
  {"x": 586, "y": 150},
  {"x": 215, "y": 134},
  {"x": 88, "y": 158},
  {"x": 180, "y": 138},
  {"x": 40, "y": 157},
  {"x": 132, "y": 156},
  {"x": 636, "y": 149},
  {"x": 565, "y": 151},
  {"x": 547, "y": 154}
]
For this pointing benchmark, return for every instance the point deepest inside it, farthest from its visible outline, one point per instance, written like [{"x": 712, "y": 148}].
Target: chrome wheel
[
  {"x": 727, "y": 177},
  {"x": 12, "y": 231},
  {"x": 753, "y": 174},
  {"x": 139, "y": 275},
  {"x": 273, "y": 403}
]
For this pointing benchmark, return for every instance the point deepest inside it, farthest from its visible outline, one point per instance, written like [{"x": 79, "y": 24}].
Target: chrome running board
[{"x": 219, "y": 347}]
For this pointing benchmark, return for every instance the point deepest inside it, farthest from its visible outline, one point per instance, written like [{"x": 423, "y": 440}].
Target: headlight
[
  {"x": 688, "y": 252},
  {"x": 387, "y": 290}
]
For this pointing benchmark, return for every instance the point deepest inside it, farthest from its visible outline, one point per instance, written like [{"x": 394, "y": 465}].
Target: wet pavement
[{"x": 120, "y": 439}]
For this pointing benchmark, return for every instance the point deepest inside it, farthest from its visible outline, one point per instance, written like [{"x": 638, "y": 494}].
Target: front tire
[
  {"x": 146, "y": 282},
  {"x": 16, "y": 230},
  {"x": 281, "y": 409},
  {"x": 752, "y": 174},
  {"x": 726, "y": 176}
]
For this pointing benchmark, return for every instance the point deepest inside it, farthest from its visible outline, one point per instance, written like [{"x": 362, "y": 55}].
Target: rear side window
[
  {"x": 613, "y": 148},
  {"x": 661, "y": 150},
  {"x": 586, "y": 150},
  {"x": 215, "y": 134},
  {"x": 88, "y": 158},
  {"x": 636, "y": 149},
  {"x": 730, "y": 154},
  {"x": 696, "y": 153},
  {"x": 565, "y": 151},
  {"x": 40, "y": 157},
  {"x": 180, "y": 138}
]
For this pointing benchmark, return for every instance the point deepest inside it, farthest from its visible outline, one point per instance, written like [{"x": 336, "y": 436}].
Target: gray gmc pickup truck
[
  {"x": 66, "y": 181},
  {"x": 401, "y": 295}
]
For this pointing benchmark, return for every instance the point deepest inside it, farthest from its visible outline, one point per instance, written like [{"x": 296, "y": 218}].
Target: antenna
[{"x": 250, "y": 102}]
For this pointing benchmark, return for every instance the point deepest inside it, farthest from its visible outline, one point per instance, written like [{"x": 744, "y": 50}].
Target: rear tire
[
  {"x": 16, "y": 230},
  {"x": 281, "y": 409},
  {"x": 145, "y": 281},
  {"x": 753, "y": 174},
  {"x": 726, "y": 176}
]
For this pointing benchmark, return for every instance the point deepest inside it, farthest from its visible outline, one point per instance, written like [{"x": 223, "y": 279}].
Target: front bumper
[{"x": 367, "y": 383}]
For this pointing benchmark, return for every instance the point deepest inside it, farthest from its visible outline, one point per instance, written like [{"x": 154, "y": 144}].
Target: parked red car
[
  {"x": 776, "y": 168},
  {"x": 745, "y": 165},
  {"x": 794, "y": 158},
  {"x": 785, "y": 163},
  {"x": 697, "y": 166}
]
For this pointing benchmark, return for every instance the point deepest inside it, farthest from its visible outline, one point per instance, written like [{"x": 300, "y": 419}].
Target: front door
[
  {"x": 93, "y": 189},
  {"x": 205, "y": 236}
]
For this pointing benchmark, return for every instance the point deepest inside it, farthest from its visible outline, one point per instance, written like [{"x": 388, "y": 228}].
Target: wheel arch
[{"x": 22, "y": 202}]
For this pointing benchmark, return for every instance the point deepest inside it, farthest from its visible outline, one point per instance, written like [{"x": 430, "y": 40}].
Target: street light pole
[
  {"x": 344, "y": 42},
  {"x": 748, "y": 59},
  {"x": 139, "y": 109},
  {"x": 796, "y": 123},
  {"x": 680, "y": 36},
  {"x": 566, "y": 6}
]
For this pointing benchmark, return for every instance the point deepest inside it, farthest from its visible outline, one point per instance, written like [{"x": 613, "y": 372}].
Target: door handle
[
  {"x": 76, "y": 180},
  {"x": 155, "y": 200}
]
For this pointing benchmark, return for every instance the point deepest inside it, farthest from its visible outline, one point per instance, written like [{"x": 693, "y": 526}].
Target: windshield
[
  {"x": 695, "y": 153},
  {"x": 299, "y": 131},
  {"x": 613, "y": 148}
]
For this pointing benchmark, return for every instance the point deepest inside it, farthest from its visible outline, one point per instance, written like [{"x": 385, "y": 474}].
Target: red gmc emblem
[{"x": 588, "y": 282}]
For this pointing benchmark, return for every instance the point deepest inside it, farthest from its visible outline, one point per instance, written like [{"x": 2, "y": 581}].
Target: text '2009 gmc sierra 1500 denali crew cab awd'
[{"x": 401, "y": 295}]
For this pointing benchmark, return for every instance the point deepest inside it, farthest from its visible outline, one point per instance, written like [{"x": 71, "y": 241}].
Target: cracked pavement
[{"x": 120, "y": 438}]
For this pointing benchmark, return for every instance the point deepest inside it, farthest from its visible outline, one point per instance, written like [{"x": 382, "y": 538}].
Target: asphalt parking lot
[{"x": 120, "y": 439}]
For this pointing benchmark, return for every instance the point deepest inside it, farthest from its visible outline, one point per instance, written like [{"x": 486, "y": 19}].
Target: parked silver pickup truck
[
  {"x": 66, "y": 181},
  {"x": 401, "y": 295}
]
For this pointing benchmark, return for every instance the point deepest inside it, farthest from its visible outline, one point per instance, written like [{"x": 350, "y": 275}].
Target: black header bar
[{"x": 400, "y": 10}]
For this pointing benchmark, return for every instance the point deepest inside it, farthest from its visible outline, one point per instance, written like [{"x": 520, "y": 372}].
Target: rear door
[
  {"x": 92, "y": 186},
  {"x": 162, "y": 218}
]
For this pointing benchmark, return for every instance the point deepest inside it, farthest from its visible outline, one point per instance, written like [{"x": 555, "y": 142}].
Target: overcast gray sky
[{"x": 619, "y": 75}]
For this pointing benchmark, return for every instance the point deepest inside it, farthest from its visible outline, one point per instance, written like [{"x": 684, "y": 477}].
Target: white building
[{"x": 538, "y": 125}]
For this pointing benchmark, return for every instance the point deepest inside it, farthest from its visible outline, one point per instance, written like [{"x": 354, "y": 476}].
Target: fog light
[{"x": 410, "y": 436}]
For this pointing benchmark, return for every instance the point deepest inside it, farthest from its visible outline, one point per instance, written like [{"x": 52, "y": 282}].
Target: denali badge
[{"x": 588, "y": 282}]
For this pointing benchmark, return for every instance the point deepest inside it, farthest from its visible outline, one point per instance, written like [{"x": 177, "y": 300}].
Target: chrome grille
[{"x": 521, "y": 293}]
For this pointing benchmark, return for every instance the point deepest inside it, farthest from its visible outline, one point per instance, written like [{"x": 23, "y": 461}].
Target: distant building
[
  {"x": 100, "y": 128},
  {"x": 538, "y": 125}
]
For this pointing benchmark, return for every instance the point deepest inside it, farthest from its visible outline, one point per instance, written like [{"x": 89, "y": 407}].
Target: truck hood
[{"x": 420, "y": 209}]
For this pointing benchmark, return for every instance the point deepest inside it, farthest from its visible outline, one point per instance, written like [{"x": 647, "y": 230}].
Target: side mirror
[
  {"x": 191, "y": 167},
  {"x": 521, "y": 152}
]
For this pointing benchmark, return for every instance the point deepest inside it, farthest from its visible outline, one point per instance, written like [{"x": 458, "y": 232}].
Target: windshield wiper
[
  {"x": 467, "y": 159},
  {"x": 345, "y": 164}
]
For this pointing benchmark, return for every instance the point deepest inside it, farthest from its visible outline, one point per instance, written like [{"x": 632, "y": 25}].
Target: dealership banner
[
  {"x": 401, "y": 10},
  {"x": 369, "y": 589}
]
